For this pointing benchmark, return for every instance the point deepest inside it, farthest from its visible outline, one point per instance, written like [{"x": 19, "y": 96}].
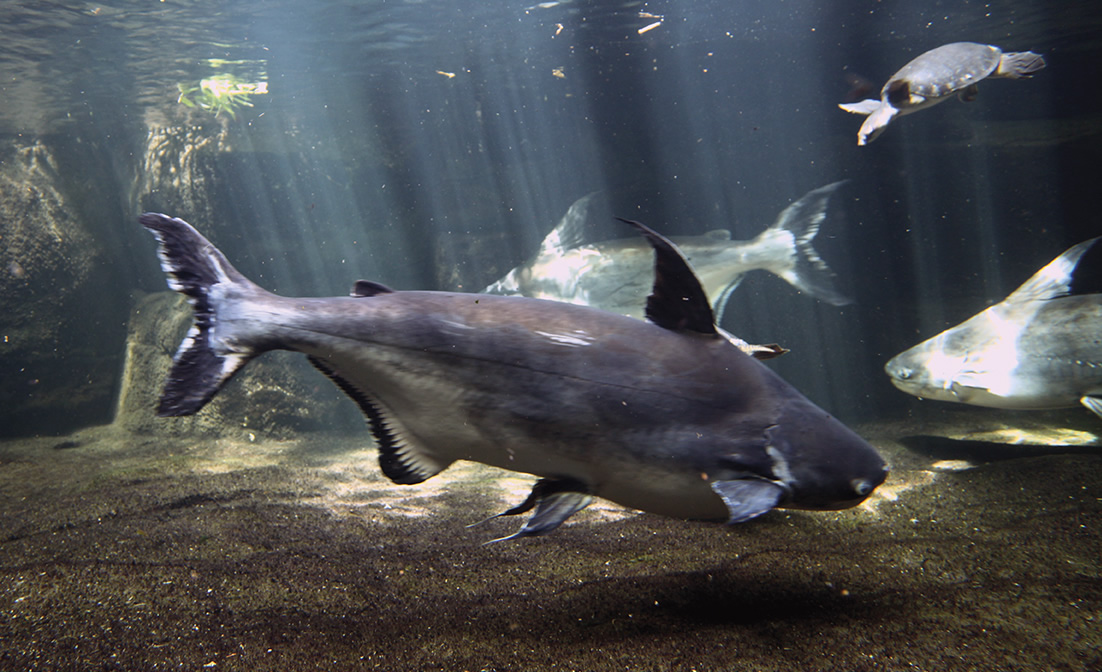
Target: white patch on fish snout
[
  {"x": 943, "y": 368},
  {"x": 993, "y": 367},
  {"x": 780, "y": 466}
]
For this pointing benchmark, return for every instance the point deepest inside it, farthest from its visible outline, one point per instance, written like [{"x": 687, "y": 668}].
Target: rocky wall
[{"x": 53, "y": 266}]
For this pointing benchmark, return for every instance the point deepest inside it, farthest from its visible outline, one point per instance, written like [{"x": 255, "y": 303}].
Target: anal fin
[{"x": 402, "y": 457}]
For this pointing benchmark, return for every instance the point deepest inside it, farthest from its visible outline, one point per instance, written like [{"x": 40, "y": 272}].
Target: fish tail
[
  {"x": 198, "y": 270},
  {"x": 809, "y": 273}
]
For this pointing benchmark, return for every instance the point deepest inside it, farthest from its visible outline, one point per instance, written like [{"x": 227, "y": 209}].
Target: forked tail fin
[
  {"x": 199, "y": 271},
  {"x": 810, "y": 273}
]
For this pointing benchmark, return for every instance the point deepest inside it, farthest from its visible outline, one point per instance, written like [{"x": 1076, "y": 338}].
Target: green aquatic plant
[{"x": 220, "y": 94}]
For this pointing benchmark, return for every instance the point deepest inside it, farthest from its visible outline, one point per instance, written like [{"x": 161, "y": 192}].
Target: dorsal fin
[
  {"x": 677, "y": 301},
  {"x": 570, "y": 231},
  {"x": 1087, "y": 276},
  {"x": 1063, "y": 276},
  {"x": 367, "y": 288}
]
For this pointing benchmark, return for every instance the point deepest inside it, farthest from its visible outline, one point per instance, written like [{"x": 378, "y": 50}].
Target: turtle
[{"x": 934, "y": 76}]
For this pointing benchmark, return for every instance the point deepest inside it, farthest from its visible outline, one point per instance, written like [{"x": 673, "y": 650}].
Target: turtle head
[{"x": 897, "y": 92}]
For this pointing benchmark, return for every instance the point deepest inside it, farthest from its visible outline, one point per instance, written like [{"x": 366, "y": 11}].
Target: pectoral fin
[
  {"x": 1093, "y": 403},
  {"x": 747, "y": 498},
  {"x": 765, "y": 351},
  {"x": 555, "y": 500}
]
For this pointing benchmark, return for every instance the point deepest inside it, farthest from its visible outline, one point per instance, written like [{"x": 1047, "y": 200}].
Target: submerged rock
[{"x": 52, "y": 320}]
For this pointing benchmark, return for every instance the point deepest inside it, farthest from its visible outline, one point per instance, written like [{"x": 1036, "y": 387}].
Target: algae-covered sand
[{"x": 125, "y": 551}]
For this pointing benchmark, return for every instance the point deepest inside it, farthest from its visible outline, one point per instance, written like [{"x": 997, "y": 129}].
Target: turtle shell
[{"x": 941, "y": 72}]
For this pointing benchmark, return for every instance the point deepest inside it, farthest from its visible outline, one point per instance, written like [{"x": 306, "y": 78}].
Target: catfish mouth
[
  {"x": 863, "y": 488},
  {"x": 900, "y": 374},
  {"x": 906, "y": 379},
  {"x": 823, "y": 464},
  {"x": 909, "y": 386},
  {"x": 828, "y": 505},
  {"x": 856, "y": 491}
]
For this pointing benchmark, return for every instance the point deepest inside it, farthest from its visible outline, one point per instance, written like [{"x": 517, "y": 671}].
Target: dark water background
[{"x": 433, "y": 144}]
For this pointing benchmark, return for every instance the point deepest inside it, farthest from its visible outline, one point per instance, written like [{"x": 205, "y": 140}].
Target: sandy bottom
[{"x": 139, "y": 553}]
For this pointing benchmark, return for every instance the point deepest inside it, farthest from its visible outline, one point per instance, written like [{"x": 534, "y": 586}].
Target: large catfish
[{"x": 666, "y": 416}]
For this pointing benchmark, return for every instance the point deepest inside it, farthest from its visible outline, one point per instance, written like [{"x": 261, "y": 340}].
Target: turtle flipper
[
  {"x": 867, "y": 106},
  {"x": 968, "y": 93},
  {"x": 879, "y": 114},
  {"x": 875, "y": 124}
]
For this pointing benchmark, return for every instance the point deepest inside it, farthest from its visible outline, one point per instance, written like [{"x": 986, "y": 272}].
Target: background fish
[
  {"x": 1040, "y": 348},
  {"x": 616, "y": 275}
]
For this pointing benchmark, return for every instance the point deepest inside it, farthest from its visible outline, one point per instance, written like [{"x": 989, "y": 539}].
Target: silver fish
[
  {"x": 1041, "y": 348},
  {"x": 616, "y": 275},
  {"x": 663, "y": 416}
]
